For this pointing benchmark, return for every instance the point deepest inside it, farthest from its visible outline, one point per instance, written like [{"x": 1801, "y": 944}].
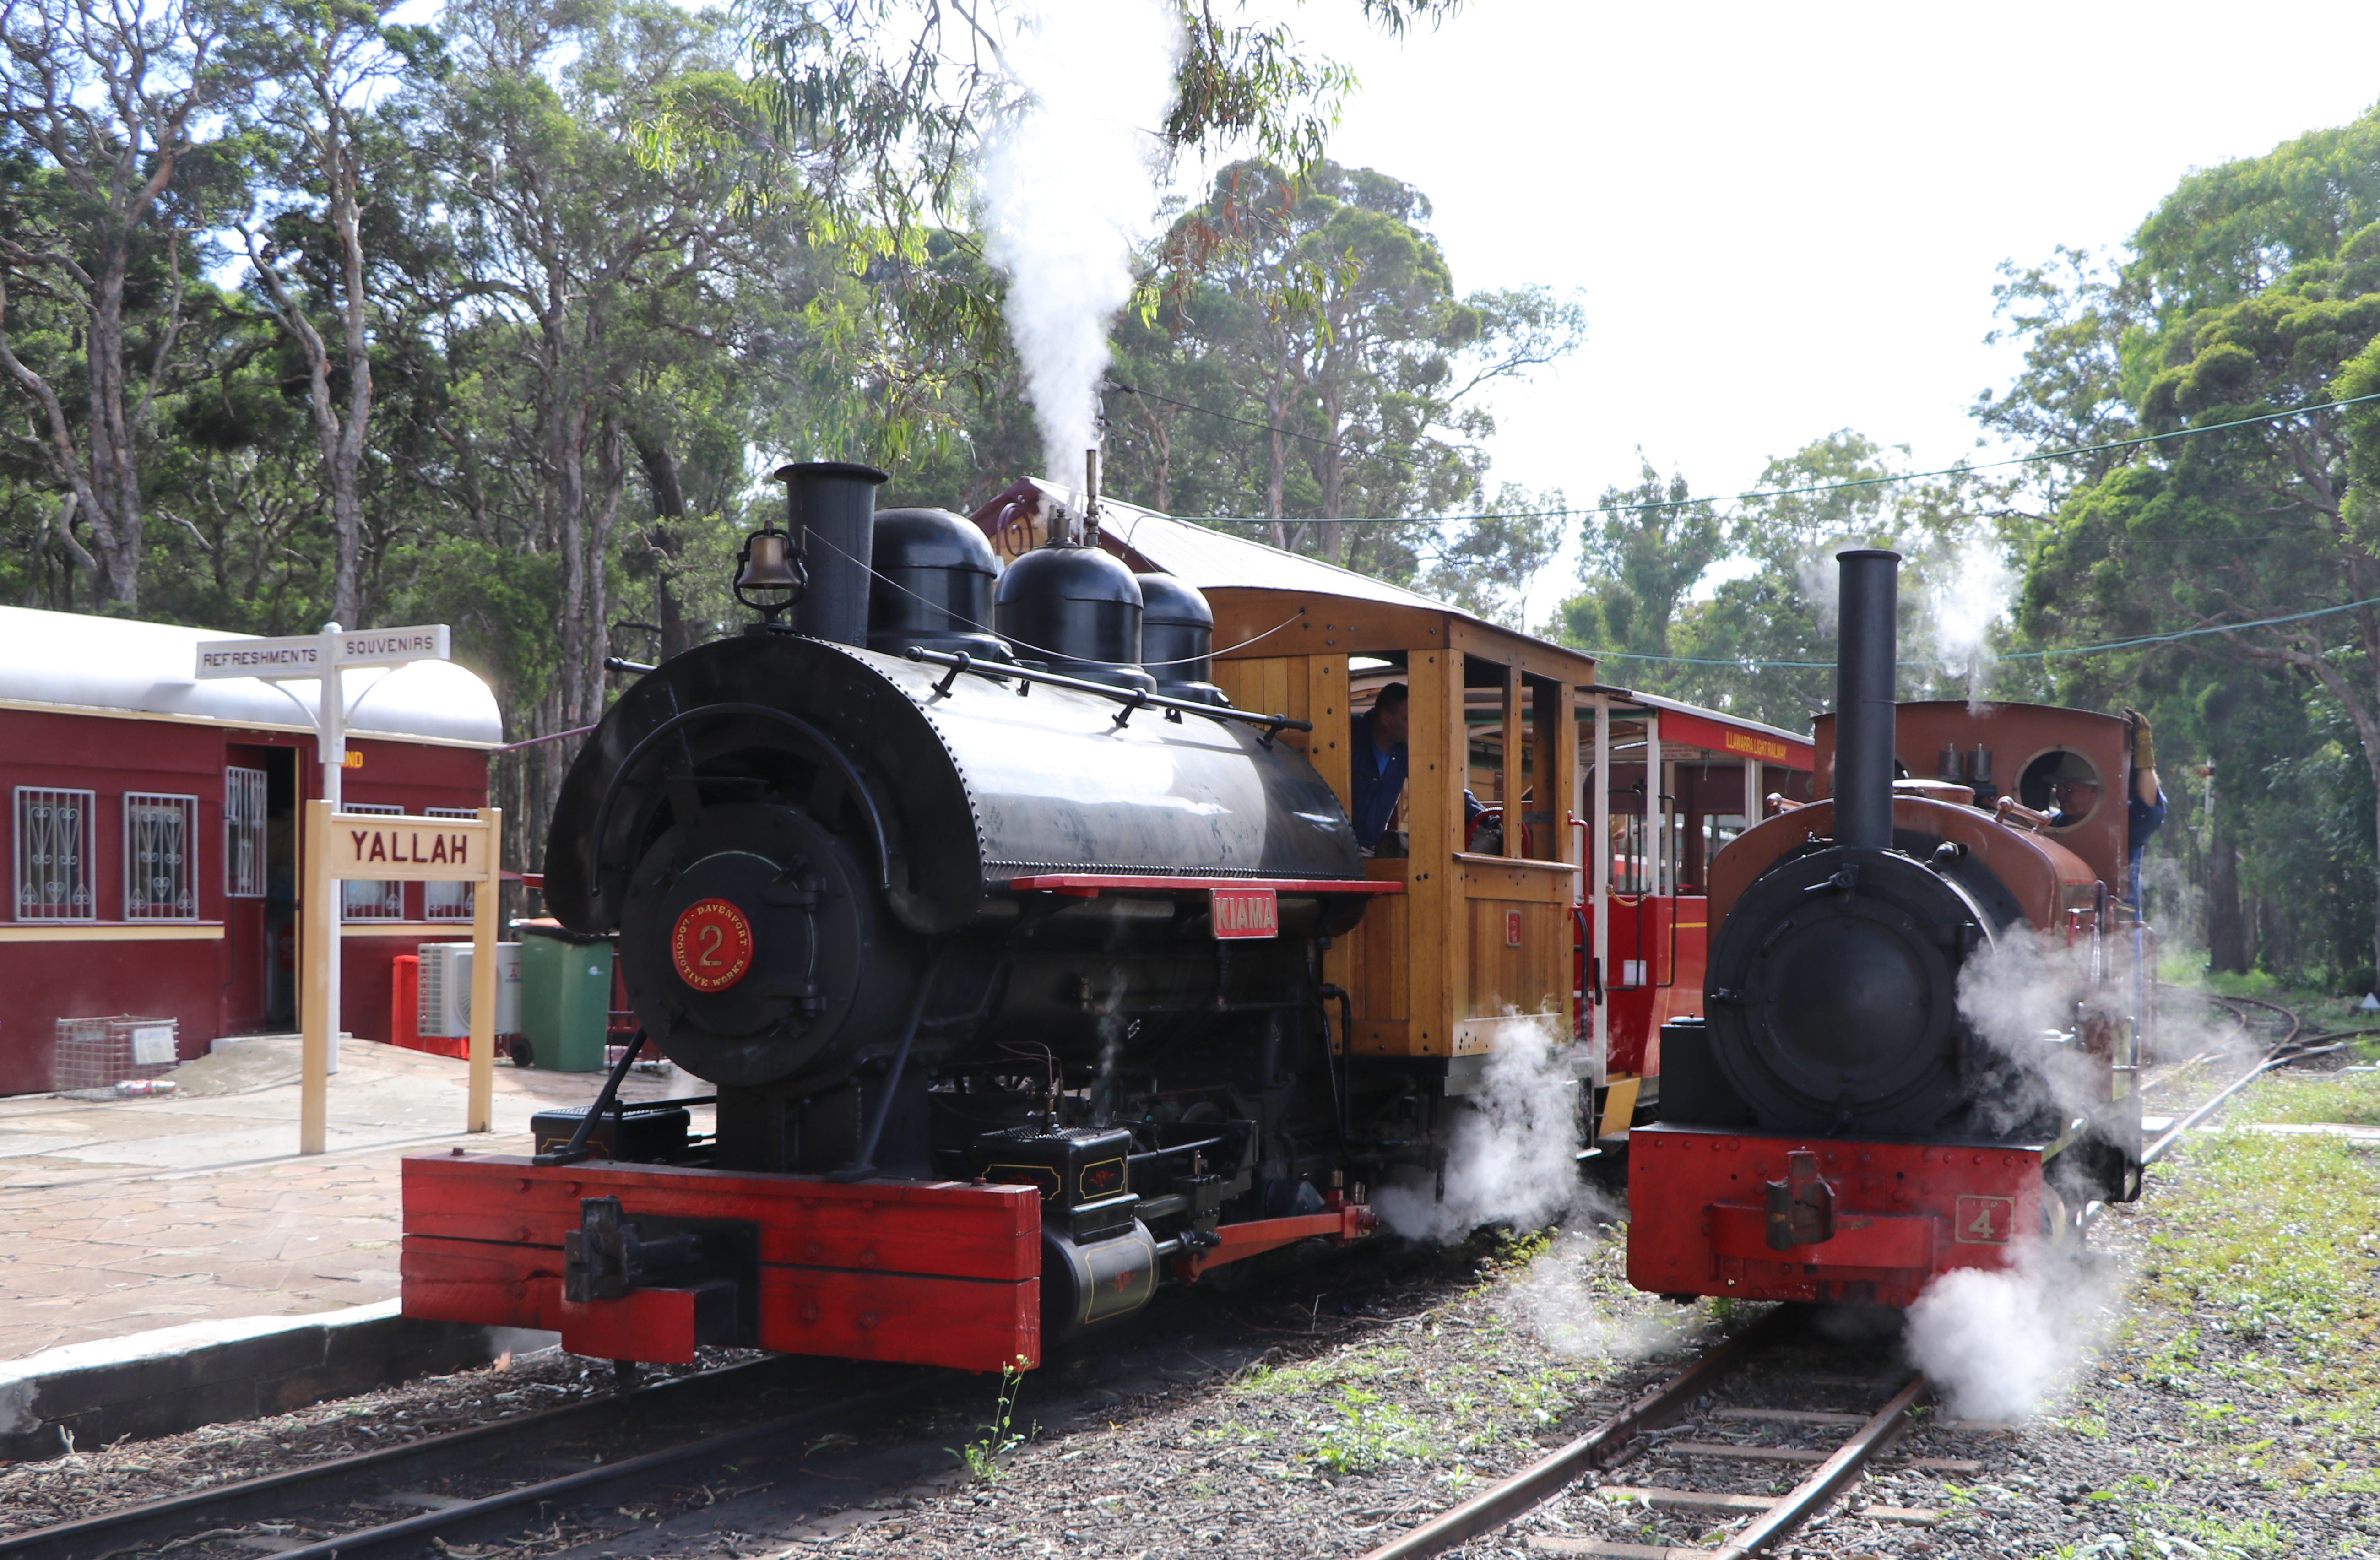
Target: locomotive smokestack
[
  {"x": 1864, "y": 666},
  {"x": 831, "y": 510}
]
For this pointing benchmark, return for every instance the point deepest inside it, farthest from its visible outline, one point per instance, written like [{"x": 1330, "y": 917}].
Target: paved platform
[{"x": 120, "y": 1216}]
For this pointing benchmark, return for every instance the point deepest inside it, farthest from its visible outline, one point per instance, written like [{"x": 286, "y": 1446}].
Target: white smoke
[
  {"x": 1971, "y": 591},
  {"x": 1069, "y": 190},
  {"x": 2020, "y": 994},
  {"x": 1822, "y": 583},
  {"x": 1997, "y": 1343},
  {"x": 1511, "y": 1151},
  {"x": 1564, "y": 1299}
]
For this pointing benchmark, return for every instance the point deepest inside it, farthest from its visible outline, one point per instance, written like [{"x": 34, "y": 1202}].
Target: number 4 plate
[
  {"x": 1246, "y": 913},
  {"x": 1986, "y": 1221}
]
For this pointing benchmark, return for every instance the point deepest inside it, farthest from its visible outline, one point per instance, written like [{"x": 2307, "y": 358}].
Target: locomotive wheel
[
  {"x": 1834, "y": 987},
  {"x": 752, "y": 945}
]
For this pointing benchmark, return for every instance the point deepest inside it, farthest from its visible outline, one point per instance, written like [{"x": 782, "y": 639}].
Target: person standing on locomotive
[
  {"x": 1377, "y": 764},
  {"x": 2076, "y": 786}
]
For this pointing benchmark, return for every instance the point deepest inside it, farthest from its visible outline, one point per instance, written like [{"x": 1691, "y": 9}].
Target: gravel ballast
[{"x": 2228, "y": 1405}]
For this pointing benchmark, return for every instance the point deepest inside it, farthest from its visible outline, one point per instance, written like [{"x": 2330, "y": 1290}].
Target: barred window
[
  {"x": 244, "y": 802},
  {"x": 54, "y": 854},
  {"x": 447, "y": 902},
  {"x": 161, "y": 859},
  {"x": 370, "y": 900}
]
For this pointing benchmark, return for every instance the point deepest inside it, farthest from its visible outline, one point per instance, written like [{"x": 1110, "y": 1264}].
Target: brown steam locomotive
[{"x": 1923, "y": 1007}]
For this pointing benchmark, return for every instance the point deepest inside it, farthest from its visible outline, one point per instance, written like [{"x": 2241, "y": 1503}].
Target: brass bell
[
  {"x": 765, "y": 564},
  {"x": 772, "y": 577}
]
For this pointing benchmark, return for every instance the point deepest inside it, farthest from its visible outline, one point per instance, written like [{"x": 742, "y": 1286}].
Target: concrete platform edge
[{"x": 174, "y": 1379}]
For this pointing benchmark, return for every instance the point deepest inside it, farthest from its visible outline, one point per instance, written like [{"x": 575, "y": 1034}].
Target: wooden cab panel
[
  {"x": 1517, "y": 969},
  {"x": 1476, "y": 944}
]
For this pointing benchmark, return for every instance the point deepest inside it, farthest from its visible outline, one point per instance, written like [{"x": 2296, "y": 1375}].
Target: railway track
[
  {"x": 446, "y": 1492},
  {"x": 1773, "y": 1400},
  {"x": 1758, "y": 1380},
  {"x": 749, "y": 1448}
]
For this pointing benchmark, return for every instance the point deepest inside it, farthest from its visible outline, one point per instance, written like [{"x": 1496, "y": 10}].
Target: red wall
[{"x": 206, "y": 985}]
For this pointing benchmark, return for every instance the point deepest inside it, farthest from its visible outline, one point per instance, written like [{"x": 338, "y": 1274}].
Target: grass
[
  {"x": 2257, "y": 1306},
  {"x": 2349, "y": 1097},
  {"x": 1465, "y": 1380}
]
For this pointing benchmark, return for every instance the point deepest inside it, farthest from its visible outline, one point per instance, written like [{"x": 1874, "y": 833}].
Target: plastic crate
[{"x": 101, "y": 1053}]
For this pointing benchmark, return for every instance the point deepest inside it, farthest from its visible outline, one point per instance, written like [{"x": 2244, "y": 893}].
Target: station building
[{"x": 152, "y": 829}]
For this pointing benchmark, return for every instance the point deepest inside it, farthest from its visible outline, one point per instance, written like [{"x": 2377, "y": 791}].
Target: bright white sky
[{"x": 1784, "y": 219}]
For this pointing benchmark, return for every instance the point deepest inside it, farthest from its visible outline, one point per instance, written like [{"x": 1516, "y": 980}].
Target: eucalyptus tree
[
  {"x": 323, "y": 69},
  {"x": 110, "y": 105},
  {"x": 2252, "y": 291}
]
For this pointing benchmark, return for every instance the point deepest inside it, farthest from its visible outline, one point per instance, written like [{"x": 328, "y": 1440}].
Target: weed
[
  {"x": 982, "y": 1455},
  {"x": 1366, "y": 1432}
]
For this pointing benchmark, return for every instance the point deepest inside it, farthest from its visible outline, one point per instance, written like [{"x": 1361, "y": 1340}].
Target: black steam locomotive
[{"x": 944, "y": 908}]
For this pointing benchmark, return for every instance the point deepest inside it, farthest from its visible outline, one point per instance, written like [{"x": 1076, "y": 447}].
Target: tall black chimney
[
  {"x": 1863, "y": 664},
  {"x": 831, "y": 510}
]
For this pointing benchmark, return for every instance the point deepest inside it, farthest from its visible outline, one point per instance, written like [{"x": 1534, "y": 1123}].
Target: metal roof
[
  {"x": 1632, "y": 699},
  {"x": 115, "y": 666},
  {"x": 1213, "y": 559}
]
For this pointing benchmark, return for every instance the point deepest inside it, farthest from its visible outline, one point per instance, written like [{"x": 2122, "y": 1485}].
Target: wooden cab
[{"x": 1481, "y": 940}]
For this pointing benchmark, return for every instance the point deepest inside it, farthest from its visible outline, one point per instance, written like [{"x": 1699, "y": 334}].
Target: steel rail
[
  {"x": 126, "y": 1530},
  {"x": 1546, "y": 1477},
  {"x": 2280, "y": 1055},
  {"x": 1501, "y": 1502},
  {"x": 1827, "y": 1480},
  {"x": 130, "y": 1525},
  {"x": 2295, "y": 1023},
  {"x": 408, "y": 1535}
]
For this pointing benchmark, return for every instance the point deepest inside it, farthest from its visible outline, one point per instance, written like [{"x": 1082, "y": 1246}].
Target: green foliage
[
  {"x": 1760, "y": 641},
  {"x": 1363, "y": 1432},
  {"x": 2254, "y": 288},
  {"x": 1304, "y": 358},
  {"x": 2292, "y": 1095},
  {"x": 982, "y": 1455},
  {"x": 2273, "y": 1236}
]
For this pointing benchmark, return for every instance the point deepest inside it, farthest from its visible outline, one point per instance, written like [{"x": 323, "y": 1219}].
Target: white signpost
[{"x": 325, "y": 658}]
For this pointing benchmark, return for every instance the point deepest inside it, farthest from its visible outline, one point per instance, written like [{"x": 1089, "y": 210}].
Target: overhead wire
[
  {"x": 1765, "y": 493},
  {"x": 2012, "y": 655},
  {"x": 1756, "y": 495}
]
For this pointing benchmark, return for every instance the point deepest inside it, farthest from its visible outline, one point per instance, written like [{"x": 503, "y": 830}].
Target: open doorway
[{"x": 261, "y": 888}]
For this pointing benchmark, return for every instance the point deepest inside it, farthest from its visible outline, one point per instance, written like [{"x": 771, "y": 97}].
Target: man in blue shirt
[
  {"x": 2077, "y": 792},
  {"x": 1375, "y": 767}
]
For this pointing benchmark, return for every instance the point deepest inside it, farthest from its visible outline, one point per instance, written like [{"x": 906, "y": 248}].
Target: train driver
[
  {"x": 2076, "y": 786},
  {"x": 1377, "y": 769}
]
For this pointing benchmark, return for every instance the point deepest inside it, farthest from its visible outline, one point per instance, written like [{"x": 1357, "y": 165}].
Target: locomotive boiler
[
  {"x": 1918, "y": 1048},
  {"x": 1001, "y": 949}
]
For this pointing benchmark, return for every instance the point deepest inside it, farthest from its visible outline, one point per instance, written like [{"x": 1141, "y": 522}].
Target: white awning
[{"x": 114, "y": 666}]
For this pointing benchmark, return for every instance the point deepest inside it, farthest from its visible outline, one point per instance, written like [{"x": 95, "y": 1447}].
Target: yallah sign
[{"x": 410, "y": 850}]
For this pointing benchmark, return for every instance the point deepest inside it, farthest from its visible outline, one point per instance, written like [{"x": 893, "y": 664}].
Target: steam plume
[
  {"x": 1510, "y": 1152},
  {"x": 1971, "y": 593},
  {"x": 1069, "y": 187},
  {"x": 1996, "y": 1342}
]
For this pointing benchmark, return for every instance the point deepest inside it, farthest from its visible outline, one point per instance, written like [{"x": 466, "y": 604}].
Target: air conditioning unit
[{"x": 446, "y": 989}]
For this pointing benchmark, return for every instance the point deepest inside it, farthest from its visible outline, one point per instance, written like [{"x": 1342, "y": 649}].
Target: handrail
[{"x": 1133, "y": 700}]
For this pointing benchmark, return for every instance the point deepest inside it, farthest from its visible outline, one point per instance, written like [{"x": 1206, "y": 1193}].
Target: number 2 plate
[{"x": 711, "y": 944}]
